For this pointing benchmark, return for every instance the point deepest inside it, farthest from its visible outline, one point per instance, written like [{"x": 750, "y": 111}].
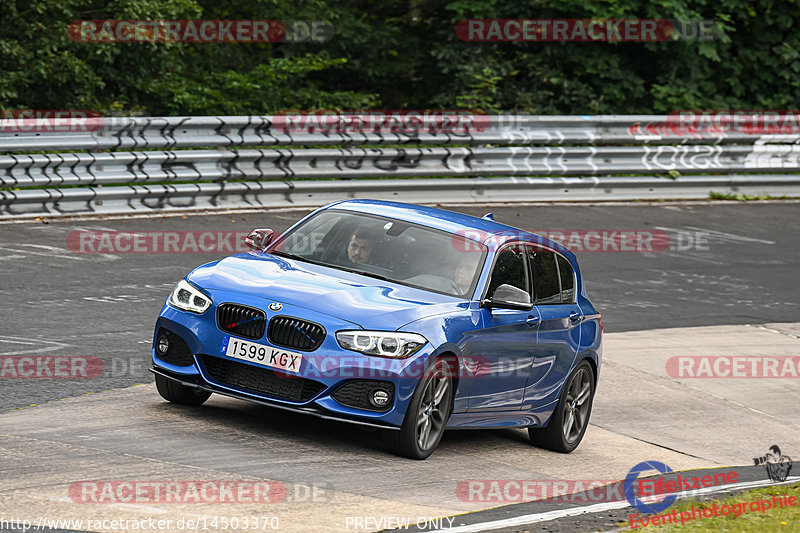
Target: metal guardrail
[{"x": 128, "y": 165}]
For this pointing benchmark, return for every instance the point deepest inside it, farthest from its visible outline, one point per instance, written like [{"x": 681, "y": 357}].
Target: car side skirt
[{"x": 502, "y": 419}]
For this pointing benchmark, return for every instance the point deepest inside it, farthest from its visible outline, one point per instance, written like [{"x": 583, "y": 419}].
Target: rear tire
[
  {"x": 570, "y": 419},
  {"x": 427, "y": 414},
  {"x": 174, "y": 392}
]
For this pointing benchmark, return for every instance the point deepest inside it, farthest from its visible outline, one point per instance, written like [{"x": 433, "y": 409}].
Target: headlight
[
  {"x": 381, "y": 343},
  {"x": 185, "y": 296}
]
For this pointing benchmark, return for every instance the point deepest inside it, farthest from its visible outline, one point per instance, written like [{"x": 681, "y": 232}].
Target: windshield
[{"x": 387, "y": 249}]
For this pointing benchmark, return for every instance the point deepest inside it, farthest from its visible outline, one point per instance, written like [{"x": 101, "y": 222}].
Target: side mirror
[
  {"x": 259, "y": 239},
  {"x": 509, "y": 297}
]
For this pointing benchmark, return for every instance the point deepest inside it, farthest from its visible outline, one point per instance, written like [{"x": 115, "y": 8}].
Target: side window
[
  {"x": 509, "y": 269},
  {"x": 567, "y": 280},
  {"x": 546, "y": 287}
]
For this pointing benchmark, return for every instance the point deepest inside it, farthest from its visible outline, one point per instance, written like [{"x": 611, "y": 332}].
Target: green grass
[
  {"x": 743, "y": 197},
  {"x": 779, "y": 519}
]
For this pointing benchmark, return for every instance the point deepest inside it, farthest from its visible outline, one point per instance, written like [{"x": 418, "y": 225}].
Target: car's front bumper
[
  {"x": 313, "y": 410},
  {"x": 330, "y": 367}
]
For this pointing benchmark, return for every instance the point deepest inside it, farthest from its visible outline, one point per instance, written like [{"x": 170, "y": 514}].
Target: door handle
[
  {"x": 575, "y": 317},
  {"x": 533, "y": 320}
]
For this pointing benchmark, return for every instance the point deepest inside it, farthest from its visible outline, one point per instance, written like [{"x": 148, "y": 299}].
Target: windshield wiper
[
  {"x": 299, "y": 258},
  {"x": 365, "y": 273},
  {"x": 288, "y": 255}
]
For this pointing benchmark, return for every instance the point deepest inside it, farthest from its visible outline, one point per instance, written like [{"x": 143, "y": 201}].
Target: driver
[{"x": 360, "y": 245}]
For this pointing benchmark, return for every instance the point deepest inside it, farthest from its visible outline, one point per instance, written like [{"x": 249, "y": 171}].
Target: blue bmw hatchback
[{"x": 400, "y": 317}]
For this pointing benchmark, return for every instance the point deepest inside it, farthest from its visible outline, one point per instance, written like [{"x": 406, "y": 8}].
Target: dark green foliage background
[{"x": 399, "y": 55}]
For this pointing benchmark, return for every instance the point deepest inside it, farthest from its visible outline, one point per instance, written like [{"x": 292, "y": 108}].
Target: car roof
[{"x": 432, "y": 217}]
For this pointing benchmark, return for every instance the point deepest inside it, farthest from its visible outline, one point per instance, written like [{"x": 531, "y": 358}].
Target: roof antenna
[{"x": 488, "y": 216}]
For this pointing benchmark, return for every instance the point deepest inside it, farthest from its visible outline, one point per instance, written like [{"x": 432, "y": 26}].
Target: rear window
[
  {"x": 546, "y": 286},
  {"x": 567, "y": 280}
]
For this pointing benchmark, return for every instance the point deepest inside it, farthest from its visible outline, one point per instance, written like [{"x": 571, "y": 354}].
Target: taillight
[{"x": 600, "y": 320}]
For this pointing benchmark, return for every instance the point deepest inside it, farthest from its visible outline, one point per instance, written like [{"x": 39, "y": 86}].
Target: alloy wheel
[
  {"x": 431, "y": 412},
  {"x": 576, "y": 405}
]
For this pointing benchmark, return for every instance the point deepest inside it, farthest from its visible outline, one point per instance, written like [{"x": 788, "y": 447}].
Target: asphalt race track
[{"x": 726, "y": 282}]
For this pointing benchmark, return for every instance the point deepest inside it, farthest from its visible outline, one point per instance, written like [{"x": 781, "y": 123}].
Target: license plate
[{"x": 261, "y": 354}]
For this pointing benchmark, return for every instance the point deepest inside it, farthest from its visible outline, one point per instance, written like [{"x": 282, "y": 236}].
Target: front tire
[
  {"x": 571, "y": 416},
  {"x": 428, "y": 411},
  {"x": 174, "y": 392}
]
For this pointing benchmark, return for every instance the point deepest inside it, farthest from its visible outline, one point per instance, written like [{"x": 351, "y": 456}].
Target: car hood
[{"x": 370, "y": 303}]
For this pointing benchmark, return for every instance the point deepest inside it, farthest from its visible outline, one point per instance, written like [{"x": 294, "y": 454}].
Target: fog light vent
[
  {"x": 172, "y": 349},
  {"x": 371, "y": 395}
]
